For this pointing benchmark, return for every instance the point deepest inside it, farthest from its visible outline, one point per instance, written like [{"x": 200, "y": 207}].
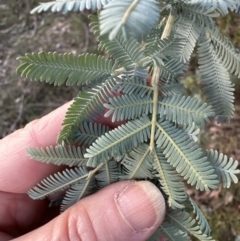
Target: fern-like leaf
[
  {"x": 169, "y": 233},
  {"x": 225, "y": 51},
  {"x": 171, "y": 70},
  {"x": 87, "y": 132},
  {"x": 201, "y": 15},
  {"x": 108, "y": 174},
  {"x": 202, "y": 221},
  {"x": 138, "y": 163},
  {"x": 183, "y": 221},
  {"x": 129, "y": 15},
  {"x": 226, "y": 168},
  {"x": 77, "y": 191},
  {"x": 65, "y": 6},
  {"x": 186, "y": 35},
  {"x": 183, "y": 154},
  {"x": 221, "y": 6},
  {"x": 184, "y": 110},
  {"x": 133, "y": 86},
  {"x": 216, "y": 81},
  {"x": 58, "y": 182},
  {"x": 192, "y": 132},
  {"x": 169, "y": 180},
  {"x": 87, "y": 106},
  {"x": 117, "y": 142},
  {"x": 172, "y": 89},
  {"x": 59, "y": 155},
  {"x": 127, "y": 107},
  {"x": 58, "y": 69},
  {"x": 127, "y": 53}
]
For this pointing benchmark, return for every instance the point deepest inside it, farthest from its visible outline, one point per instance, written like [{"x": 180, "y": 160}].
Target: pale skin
[{"x": 122, "y": 211}]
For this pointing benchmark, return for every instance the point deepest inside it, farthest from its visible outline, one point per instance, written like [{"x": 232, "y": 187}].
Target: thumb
[{"x": 127, "y": 210}]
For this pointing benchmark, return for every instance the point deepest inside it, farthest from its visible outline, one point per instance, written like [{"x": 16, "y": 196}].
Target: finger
[
  {"x": 20, "y": 214},
  {"x": 17, "y": 172},
  {"x": 122, "y": 211}
]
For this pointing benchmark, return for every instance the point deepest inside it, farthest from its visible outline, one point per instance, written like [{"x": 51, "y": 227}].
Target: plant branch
[
  {"x": 128, "y": 12},
  {"x": 168, "y": 27},
  {"x": 155, "y": 80}
]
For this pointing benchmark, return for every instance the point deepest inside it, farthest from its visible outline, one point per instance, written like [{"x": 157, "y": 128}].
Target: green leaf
[
  {"x": 197, "y": 13},
  {"x": 66, "y": 6},
  {"x": 58, "y": 69},
  {"x": 225, "y": 167},
  {"x": 119, "y": 141},
  {"x": 216, "y": 81},
  {"x": 169, "y": 232},
  {"x": 185, "y": 38},
  {"x": 108, "y": 174},
  {"x": 127, "y": 53},
  {"x": 78, "y": 191},
  {"x": 183, "y": 154},
  {"x": 58, "y": 182},
  {"x": 220, "y": 6},
  {"x": 183, "y": 221},
  {"x": 169, "y": 180},
  {"x": 172, "y": 89},
  {"x": 87, "y": 132},
  {"x": 225, "y": 51},
  {"x": 127, "y": 107},
  {"x": 138, "y": 163},
  {"x": 87, "y": 106},
  {"x": 133, "y": 86},
  {"x": 59, "y": 155},
  {"x": 202, "y": 221},
  {"x": 184, "y": 110},
  {"x": 171, "y": 70},
  {"x": 129, "y": 15}
]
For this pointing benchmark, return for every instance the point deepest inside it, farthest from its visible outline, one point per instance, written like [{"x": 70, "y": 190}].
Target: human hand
[{"x": 125, "y": 210}]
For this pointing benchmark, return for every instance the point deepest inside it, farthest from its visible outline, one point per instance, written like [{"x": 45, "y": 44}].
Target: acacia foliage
[{"x": 149, "y": 44}]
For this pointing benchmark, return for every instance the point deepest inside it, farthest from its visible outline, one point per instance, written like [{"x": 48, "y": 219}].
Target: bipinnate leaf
[
  {"x": 59, "y": 69},
  {"x": 133, "y": 85},
  {"x": 58, "y": 182},
  {"x": 169, "y": 232},
  {"x": 184, "y": 110},
  {"x": 183, "y": 154},
  {"x": 225, "y": 51},
  {"x": 77, "y": 191},
  {"x": 220, "y": 6},
  {"x": 59, "y": 155},
  {"x": 202, "y": 221},
  {"x": 66, "y": 6},
  {"x": 183, "y": 221},
  {"x": 225, "y": 167},
  {"x": 138, "y": 163},
  {"x": 119, "y": 141},
  {"x": 129, "y": 15},
  {"x": 108, "y": 174},
  {"x": 169, "y": 180},
  {"x": 127, "y": 107},
  {"x": 88, "y": 105},
  {"x": 127, "y": 53},
  {"x": 87, "y": 132},
  {"x": 216, "y": 81}
]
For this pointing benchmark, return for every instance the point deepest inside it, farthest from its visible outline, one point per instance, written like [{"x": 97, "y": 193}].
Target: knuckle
[
  {"x": 31, "y": 132},
  {"x": 80, "y": 226}
]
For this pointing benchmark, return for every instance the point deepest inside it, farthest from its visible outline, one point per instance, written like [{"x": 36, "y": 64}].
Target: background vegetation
[{"x": 22, "y": 101}]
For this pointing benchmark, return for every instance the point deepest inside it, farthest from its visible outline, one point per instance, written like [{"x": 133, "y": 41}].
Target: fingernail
[{"x": 141, "y": 205}]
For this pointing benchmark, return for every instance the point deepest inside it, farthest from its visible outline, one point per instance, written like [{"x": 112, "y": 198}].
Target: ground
[{"x": 22, "y": 101}]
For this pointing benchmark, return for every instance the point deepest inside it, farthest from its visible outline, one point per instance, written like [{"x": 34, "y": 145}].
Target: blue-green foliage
[{"x": 148, "y": 44}]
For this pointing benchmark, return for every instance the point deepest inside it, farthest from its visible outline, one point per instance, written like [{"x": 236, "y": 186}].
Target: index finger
[{"x": 17, "y": 172}]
